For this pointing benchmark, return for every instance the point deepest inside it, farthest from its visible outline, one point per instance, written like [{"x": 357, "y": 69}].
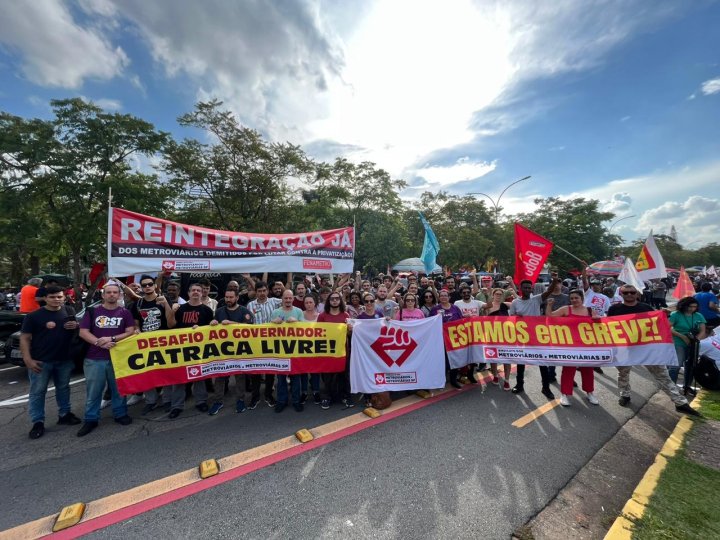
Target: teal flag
[{"x": 431, "y": 247}]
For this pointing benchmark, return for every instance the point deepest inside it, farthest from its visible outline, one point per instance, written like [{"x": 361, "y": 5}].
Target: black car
[
  {"x": 14, "y": 355},
  {"x": 10, "y": 322}
]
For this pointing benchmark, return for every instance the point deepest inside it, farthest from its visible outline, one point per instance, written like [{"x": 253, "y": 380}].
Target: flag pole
[{"x": 573, "y": 256}]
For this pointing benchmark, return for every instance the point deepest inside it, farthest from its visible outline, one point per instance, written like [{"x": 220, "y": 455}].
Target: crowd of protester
[{"x": 157, "y": 303}]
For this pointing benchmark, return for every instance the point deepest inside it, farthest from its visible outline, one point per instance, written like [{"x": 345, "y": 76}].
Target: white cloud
[
  {"x": 619, "y": 204},
  {"x": 107, "y": 104},
  {"x": 697, "y": 220},
  {"x": 55, "y": 50},
  {"x": 711, "y": 86},
  {"x": 462, "y": 170}
]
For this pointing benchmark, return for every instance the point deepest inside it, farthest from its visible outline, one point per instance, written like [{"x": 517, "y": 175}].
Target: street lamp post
[
  {"x": 496, "y": 203},
  {"x": 615, "y": 223}
]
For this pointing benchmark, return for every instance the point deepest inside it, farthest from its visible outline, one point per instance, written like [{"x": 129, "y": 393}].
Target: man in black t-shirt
[
  {"x": 191, "y": 315},
  {"x": 630, "y": 305},
  {"x": 45, "y": 344},
  {"x": 231, "y": 313},
  {"x": 152, "y": 312}
]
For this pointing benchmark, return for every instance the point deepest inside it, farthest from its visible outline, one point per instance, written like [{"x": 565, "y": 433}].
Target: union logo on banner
[
  {"x": 193, "y": 372},
  {"x": 396, "y": 341}
]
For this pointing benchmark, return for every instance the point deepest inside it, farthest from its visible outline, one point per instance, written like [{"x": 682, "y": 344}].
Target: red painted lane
[{"x": 112, "y": 518}]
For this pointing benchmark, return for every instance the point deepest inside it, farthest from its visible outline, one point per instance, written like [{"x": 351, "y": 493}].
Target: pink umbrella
[{"x": 606, "y": 268}]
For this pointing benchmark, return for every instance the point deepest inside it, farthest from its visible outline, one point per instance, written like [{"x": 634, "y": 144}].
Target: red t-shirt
[
  {"x": 27, "y": 299},
  {"x": 341, "y": 317}
]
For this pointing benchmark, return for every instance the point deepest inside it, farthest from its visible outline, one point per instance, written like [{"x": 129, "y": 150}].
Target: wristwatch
[{"x": 113, "y": 339}]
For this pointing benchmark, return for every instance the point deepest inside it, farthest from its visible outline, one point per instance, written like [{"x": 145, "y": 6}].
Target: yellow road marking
[
  {"x": 537, "y": 413},
  {"x": 622, "y": 528}
]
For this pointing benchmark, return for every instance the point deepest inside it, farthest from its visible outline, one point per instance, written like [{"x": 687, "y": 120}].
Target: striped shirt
[{"x": 262, "y": 312}]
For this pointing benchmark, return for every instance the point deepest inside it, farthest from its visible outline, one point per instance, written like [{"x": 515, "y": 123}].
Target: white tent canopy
[{"x": 414, "y": 264}]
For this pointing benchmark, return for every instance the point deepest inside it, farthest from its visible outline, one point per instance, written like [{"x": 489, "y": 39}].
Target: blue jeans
[
  {"x": 97, "y": 373},
  {"x": 60, "y": 373},
  {"x": 282, "y": 389}
]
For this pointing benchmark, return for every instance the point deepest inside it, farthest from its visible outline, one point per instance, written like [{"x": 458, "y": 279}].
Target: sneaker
[
  {"x": 575, "y": 384},
  {"x": 506, "y": 386},
  {"x": 624, "y": 401},
  {"x": 325, "y": 404},
  {"x": 348, "y": 403},
  {"x": 299, "y": 407},
  {"x": 86, "y": 428},
  {"x": 303, "y": 398},
  {"x": 564, "y": 401},
  {"x": 270, "y": 402},
  {"x": 240, "y": 406},
  {"x": 496, "y": 380},
  {"x": 124, "y": 420},
  {"x": 202, "y": 407},
  {"x": 167, "y": 406},
  {"x": 69, "y": 420},
  {"x": 547, "y": 392},
  {"x": 253, "y": 403},
  {"x": 105, "y": 403},
  {"x": 518, "y": 389},
  {"x": 280, "y": 407},
  {"x": 316, "y": 398},
  {"x": 592, "y": 399},
  {"x": 132, "y": 400},
  {"x": 687, "y": 409},
  {"x": 148, "y": 408},
  {"x": 174, "y": 414},
  {"x": 215, "y": 408},
  {"x": 37, "y": 431}
]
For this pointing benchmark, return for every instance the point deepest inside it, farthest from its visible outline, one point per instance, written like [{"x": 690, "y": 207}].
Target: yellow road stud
[
  {"x": 372, "y": 412},
  {"x": 424, "y": 394},
  {"x": 209, "y": 468},
  {"x": 304, "y": 435},
  {"x": 69, "y": 516}
]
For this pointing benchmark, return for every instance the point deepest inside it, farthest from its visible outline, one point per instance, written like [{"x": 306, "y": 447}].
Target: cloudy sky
[{"x": 614, "y": 100}]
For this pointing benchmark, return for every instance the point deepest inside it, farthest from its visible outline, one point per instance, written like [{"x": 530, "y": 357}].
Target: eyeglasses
[
  {"x": 151, "y": 284},
  {"x": 369, "y": 301},
  {"x": 334, "y": 298},
  {"x": 410, "y": 300},
  {"x": 430, "y": 296},
  {"x": 627, "y": 292}
]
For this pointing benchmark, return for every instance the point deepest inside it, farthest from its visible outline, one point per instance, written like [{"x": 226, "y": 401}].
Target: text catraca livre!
[{"x": 231, "y": 341}]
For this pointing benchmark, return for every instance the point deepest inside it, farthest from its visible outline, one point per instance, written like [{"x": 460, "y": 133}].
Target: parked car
[
  {"x": 14, "y": 355},
  {"x": 10, "y": 322}
]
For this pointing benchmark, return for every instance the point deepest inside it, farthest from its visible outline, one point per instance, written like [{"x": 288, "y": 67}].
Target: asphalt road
[{"x": 456, "y": 468}]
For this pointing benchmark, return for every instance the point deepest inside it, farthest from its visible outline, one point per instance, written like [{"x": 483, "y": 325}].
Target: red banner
[
  {"x": 643, "y": 338},
  {"x": 139, "y": 243},
  {"x": 531, "y": 252}
]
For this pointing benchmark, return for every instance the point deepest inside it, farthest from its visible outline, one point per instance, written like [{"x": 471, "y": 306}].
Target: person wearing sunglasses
[
  {"x": 336, "y": 386},
  {"x": 631, "y": 304},
  {"x": 428, "y": 300},
  {"x": 369, "y": 310},
  {"x": 152, "y": 312},
  {"x": 409, "y": 310}
]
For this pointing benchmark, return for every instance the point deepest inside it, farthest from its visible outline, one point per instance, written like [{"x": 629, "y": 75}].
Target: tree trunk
[{"x": 34, "y": 265}]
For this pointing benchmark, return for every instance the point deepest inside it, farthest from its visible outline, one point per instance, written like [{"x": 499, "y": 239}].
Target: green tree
[
  {"x": 239, "y": 181},
  {"x": 66, "y": 167}
]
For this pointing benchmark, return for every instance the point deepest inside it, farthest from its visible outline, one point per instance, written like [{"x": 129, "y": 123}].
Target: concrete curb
[{"x": 622, "y": 528}]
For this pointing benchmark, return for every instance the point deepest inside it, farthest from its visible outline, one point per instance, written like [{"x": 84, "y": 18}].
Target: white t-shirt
[
  {"x": 597, "y": 302},
  {"x": 471, "y": 308},
  {"x": 710, "y": 347}
]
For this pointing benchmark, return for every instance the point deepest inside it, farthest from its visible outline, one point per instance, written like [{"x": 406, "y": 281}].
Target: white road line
[
  {"x": 19, "y": 400},
  {"x": 9, "y": 368}
]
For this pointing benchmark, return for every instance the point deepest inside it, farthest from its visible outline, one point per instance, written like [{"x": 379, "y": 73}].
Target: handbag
[{"x": 381, "y": 400}]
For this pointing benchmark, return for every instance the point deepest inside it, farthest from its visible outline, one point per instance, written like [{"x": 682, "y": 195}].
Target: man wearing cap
[
  {"x": 594, "y": 298},
  {"x": 630, "y": 305}
]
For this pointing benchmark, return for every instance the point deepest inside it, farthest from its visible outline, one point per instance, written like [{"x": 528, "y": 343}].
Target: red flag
[
  {"x": 684, "y": 286},
  {"x": 531, "y": 252}
]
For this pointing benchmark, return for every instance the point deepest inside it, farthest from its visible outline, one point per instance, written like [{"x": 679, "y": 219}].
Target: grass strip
[
  {"x": 685, "y": 504},
  {"x": 710, "y": 405}
]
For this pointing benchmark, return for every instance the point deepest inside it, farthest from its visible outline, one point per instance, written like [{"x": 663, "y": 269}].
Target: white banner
[{"x": 389, "y": 356}]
